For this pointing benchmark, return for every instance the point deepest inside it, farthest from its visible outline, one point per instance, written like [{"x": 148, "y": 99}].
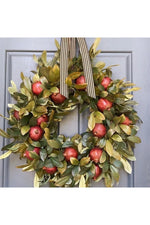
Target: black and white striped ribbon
[
  {"x": 68, "y": 46},
  {"x": 64, "y": 53}
]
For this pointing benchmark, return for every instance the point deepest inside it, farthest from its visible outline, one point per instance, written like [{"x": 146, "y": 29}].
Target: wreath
[{"x": 97, "y": 154}]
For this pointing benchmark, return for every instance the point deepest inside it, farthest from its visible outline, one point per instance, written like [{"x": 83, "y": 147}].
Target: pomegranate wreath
[{"x": 100, "y": 152}]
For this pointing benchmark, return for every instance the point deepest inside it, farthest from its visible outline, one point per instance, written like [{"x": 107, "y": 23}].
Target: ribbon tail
[
  {"x": 64, "y": 50},
  {"x": 87, "y": 67},
  {"x": 72, "y": 48}
]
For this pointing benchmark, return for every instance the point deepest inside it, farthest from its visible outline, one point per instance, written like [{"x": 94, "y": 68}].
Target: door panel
[{"x": 132, "y": 55}]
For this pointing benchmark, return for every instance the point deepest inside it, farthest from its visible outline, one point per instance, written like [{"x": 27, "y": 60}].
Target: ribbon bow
[{"x": 68, "y": 46}]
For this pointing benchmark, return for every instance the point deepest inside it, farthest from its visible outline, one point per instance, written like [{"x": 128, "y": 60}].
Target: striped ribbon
[{"x": 68, "y": 47}]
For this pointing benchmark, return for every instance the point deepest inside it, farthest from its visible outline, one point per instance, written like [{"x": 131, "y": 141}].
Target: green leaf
[
  {"x": 4, "y": 134},
  {"x": 46, "y": 133},
  {"x": 116, "y": 119},
  {"x": 99, "y": 117},
  {"x": 74, "y": 161},
  {"x": 62, "y": 169},
  {"x": 74, "y": 75},
  {"x": 82, "y": 183},
  {"x": 46, "y": 93},
  {"x": 41, "y": 109},
  {"x": 117, "y": 138},
  {"x": 117, "y": 164},
  {"x": 115, "y": 173},
  {"x": 122, "y": 118},
  {"x": 27, "y": 83},
  {"x": 33, "y": 155},
  {"x": 48, "y": 163},
  {"x": 35, "y": 143},
  {"x": 42, "y": 101},
  {"x": 67, "y": 144},
  {"x": 131, "y": 158},
  {"x": 54, "y": 74},
  {"x": 13, "y": 132},
  {"x": 95, "y": 44},
  {"x": 80, "y": 147},
  {"x": 62, "y": 181},
  {"x": 108, "y": 114},
  {"x": 6, "y": 147},
  {"x": 22, "y": 76},
  {"x": 25, "y": 129},
  {"x": 100, "y": 65},
  {"x": 56, "y": 162},
  {"x": 100, "y": 177},
  {"x": 44, "y": 58},
  {"x": 102, "y": 143},
  {"x": 6, "y": 154},
  {"x": 54, "y": 143},
  {"x": 54, "y": 90},
  {"x": 25, "y": 120},
  {"x": 12, "y": 89},
  {"x": 43, "y": 154},
  {"x": 80, "y": 86},
  {"x": 125, "y": 128},
  {"x": 36, "y": 181},
  {"x": 91, "y": 121},
  {"x": 103, "y": 94},
  {"x": 105, "y": 166},
  {"x": 28, "y": 168},
  {"x": 126, "y": 165},
  {"x": 132, "y": 89},
  {"x": 35, "y": 78},
  {"x": 108, "y": 180},
  {"x": 134, "y": 139},
  {"x": 76, "y": 170},
  {"x": 18, "y": 147},
  {"x": 117, "y": 129},
  {"x": 4, "y": 117},
  {"x": 68, "y": 81},
  {"x": 57, "y": 44},
  {"x": 111, "y": 152},
  {"x": 109, "y": 148},
  {"x": 35, "y": 58},
  {"x": 110, "y": 132},
  {"x": 84, "y": 161},
  {"x": 103, "y": 157},
  {"x": 116, "y": 155}
]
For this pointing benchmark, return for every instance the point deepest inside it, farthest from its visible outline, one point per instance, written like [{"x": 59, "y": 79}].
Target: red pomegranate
[
  {"x": 36, "y": 88},
  {"x": 16, "y": 115},
  {"x": 98, "y": 172},
  {"x": 27, "y": 153},
  {"x": 80, "y": 80},
  {"x": 99, "y": 130},
  {"x": 43, "y": 118},
  {"x": 127, "y": 121},
  {"x": 36, "y": 133},
  {"x": 105, "y": 82},
  {"x": 95, "y": 154},
  {"x": 70, "y": 152},
  {"x": 104, "y": 104},
  {"x": 57, "y": 98},
  {"x": 51, "y": 170}
]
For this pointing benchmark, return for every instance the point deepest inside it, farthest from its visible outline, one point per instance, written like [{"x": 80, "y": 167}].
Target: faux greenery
[{"x": 117, "y": 144}]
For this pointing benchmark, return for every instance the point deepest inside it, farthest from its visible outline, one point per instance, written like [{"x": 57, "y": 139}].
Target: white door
[{"x": 133, "y": 57}]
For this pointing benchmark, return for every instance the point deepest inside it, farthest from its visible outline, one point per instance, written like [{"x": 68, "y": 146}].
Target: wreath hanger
[{"x": 68, "y": 48}]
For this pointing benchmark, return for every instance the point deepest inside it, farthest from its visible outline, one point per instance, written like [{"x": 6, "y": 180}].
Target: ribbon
[{"x": 68, "y": 49}]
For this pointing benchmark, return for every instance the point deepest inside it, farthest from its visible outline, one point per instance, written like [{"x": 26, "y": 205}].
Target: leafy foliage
[{"x": 117, "y": 144}]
